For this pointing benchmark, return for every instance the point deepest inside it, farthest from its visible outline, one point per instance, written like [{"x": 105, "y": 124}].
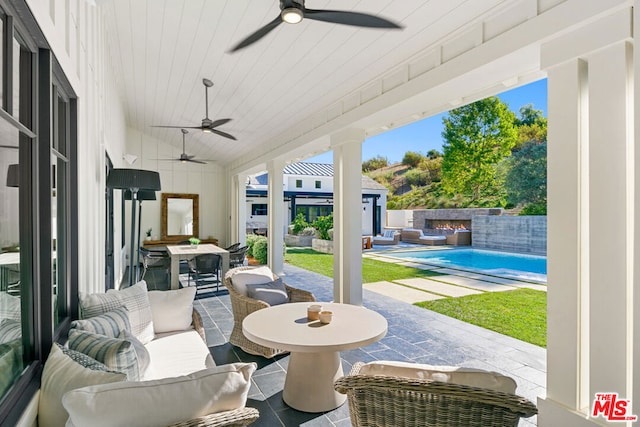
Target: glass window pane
[
  {"x": 2, "y": 59},
  {"x": 11, "y": 317},
  {"x": 16, "y": 78}
]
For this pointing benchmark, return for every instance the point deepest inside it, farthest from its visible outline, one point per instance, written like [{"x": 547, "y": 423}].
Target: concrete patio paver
[
  {"x": 438, "y": 287},
  {"x": 473, "y": 283},
  {"x": 400, "y": 293}
]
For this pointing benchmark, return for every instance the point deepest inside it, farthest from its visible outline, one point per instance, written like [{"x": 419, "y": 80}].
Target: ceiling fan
[
  {"x": 184, "y": 157},
  {"x": 293, "y": 11},
  {"x": 207, "y": 125}
]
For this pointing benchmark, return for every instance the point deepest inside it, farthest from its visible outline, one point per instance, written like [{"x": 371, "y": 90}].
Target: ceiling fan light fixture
[
  {"x": 206, "y": 130},
  {"x": 291, "y": 15}
]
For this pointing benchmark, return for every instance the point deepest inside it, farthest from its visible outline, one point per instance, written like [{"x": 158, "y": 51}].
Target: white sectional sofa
[{"x": 93, "y": 380}]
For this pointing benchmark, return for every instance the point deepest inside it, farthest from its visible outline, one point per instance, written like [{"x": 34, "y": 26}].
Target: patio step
[
  {"x": 399, "y": 292},
  {"x": 438, "y": 287}
]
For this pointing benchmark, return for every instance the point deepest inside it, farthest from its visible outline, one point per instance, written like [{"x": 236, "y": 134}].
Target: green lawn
[
  {"x": 372, "y": 270},
  {"x": 521, "y": 313}
]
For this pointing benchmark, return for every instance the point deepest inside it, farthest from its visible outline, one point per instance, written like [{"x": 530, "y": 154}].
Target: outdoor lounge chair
[
  {"x": 414, "y": 235},
  {"x": 390, "y": 237},
  {"x": 242, "y": 306},
  {"x": 459, "y": 238},
  {"x": 424, "y": 396}
]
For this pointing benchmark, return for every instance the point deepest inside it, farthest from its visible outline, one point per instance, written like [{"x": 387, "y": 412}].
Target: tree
[
  {"x": 374, "y": 163},
  {"x": 532, "y": 126},
  {"x": 476, "y": 138},
  {"x": 412, "y": 158},
  {"x": 526, "y": 181},
  {"x": 433, "y": 154}
]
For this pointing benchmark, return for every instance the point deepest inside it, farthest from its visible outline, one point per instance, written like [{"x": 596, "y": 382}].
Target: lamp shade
[
  {"x": 13, "y": 175},
  {"x": 128, "y": 179},
  {"x": 142, "y": 195}
]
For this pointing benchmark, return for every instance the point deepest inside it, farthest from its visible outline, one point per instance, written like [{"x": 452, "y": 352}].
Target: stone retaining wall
[{"x": 525, "y": 234}]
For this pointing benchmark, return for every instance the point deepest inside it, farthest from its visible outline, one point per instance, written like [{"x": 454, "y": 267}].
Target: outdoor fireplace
[{"x": 446, "y": 226}]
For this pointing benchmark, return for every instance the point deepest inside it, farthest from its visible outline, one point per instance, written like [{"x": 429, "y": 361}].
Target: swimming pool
[{"x": 505, "y": 264}]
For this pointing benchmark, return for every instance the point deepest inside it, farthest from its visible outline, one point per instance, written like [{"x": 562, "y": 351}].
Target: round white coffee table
[{"x": 314, "y": 364}]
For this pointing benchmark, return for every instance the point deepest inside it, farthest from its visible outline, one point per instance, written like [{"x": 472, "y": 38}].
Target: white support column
[
  {"x": 275, "y": 257},
  {"x": 238, "y": 208},
  {"x": 347, "y": 216},
  {"x": 610, "y": 204},
  {"x": 592, "y": 231}
]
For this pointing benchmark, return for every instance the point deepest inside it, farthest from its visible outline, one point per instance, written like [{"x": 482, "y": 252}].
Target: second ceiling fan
[
  {"x": 184, "y": 157},
  {"x": 208, "y": 125},
  {"x": 293, "y": 11}
]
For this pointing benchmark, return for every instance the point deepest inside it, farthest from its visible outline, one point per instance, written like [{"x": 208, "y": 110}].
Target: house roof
[{"x": 311, "y": 169}]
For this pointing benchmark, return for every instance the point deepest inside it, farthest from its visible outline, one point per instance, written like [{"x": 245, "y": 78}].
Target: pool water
[{"x": 512, "y": 265}]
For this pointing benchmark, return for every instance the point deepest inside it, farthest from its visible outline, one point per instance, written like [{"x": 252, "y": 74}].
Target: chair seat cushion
[
  {"x": 273, "y": 293},
  {"x": 253, "y": 276},
  {"x": 166, "y": 401},
  {"x": 177, "y": 353},
  {"x": 449, "y": 374}
]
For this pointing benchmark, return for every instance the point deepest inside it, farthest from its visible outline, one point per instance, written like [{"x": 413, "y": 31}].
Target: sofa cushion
[
  {"x": 177, "y": 353},
  {"x": 62, "y": 373},
  {"x": 172, "y": 310},
  {"x": 449, "y": 374},
  {"x": 253, "y": 276},
  {"x": 389, "y": 234},
  {"x": 164, "y": 402},
  {"x": 110, "y": 324},
  {"x": 273, "y": 293},
  {"x": 136, "y": 300},
  {"x": 117, "y": 354}
]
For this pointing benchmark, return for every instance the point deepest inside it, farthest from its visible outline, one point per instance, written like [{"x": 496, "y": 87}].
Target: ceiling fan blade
[
  {"x": 260, "y": 33},
  {"x": 197, "y": 161},
  {"x": 169, "y": 160},
  {"x": 219, "y": 122},
  {"x": 177, "y": 127},
  {"x": 226, "y": 135},
  {"x": 9, "y": 146},
  {"x": 357, "y": 19}
]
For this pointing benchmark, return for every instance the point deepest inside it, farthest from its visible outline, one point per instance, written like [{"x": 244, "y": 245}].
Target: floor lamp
[
  {"x": 142, "y": 196},
  {"x": 133, "y": 180}
]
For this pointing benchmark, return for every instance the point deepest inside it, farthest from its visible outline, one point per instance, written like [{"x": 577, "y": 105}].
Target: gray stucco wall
[{"x": 526, "y": 234}]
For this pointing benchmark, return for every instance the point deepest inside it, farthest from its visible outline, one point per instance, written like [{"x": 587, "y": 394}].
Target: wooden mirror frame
[{"x": 195, "y": 208}]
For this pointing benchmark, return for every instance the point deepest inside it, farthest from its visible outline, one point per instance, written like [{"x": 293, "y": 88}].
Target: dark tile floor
[{"x": 414, "y": 334}]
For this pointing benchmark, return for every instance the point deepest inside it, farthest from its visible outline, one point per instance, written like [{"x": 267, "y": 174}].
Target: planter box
[
  {"x": 325, "y": 246},
  {"x": 292, "y": 240}
]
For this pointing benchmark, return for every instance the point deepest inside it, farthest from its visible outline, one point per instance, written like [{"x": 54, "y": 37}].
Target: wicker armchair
[
  {"x": 236, "y": 417},
  {"x": 242, "y": 306},
  {"x": 382, "y": 401}
]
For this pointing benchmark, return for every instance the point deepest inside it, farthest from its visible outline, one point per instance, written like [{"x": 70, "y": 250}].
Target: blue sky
[{"x": 423, "y": 135}]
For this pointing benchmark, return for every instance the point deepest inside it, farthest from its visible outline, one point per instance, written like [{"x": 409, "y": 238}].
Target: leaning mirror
[{"x": 179, "y": 216}]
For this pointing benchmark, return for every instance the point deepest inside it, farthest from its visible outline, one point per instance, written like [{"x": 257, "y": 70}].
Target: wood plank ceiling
[{"x": 162, "y": 49}]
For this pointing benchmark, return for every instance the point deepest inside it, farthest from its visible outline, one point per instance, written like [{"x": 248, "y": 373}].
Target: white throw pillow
[
  {"x": 253, "y": 276},
  {"x": 136, "y": 300},
  {"x": 161, "y": 402},
  {"x": 60, "y": 375},
  {"x": 448, "y": 374},
  {"x": 172, "y": 310}
]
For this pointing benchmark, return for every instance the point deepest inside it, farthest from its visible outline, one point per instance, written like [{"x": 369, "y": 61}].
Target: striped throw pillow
[
  {"x": 85, "y": 361},
  {"x": 110, "y": 324},
  {"x": 116, "y": 354},
  {"x": 136, "y": 300}
]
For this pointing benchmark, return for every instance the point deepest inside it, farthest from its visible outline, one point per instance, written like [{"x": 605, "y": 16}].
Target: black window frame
[
  {"x": 35, "y": 151},
  {"x": 318, "y": 184},
  {"x": 259, "y": 209},
  {"x": 298, "y": 183}
]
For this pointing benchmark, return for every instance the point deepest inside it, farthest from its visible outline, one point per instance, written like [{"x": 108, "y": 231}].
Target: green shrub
[
  {"x": 374, "y": 163},
  {"x": 412, "y": 158},
  {"x": 323, "y": 224},
  {"x": 534, "y": 209},
  {"x": 299, "y": 224},
  {"x": 251, "y": 240},
  {"x": 260, "y": 249}
]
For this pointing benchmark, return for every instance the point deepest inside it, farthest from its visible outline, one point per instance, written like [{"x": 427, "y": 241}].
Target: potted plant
[
  {"x": 194, "y": 241},
  {"x": 148, "y": 232}
]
